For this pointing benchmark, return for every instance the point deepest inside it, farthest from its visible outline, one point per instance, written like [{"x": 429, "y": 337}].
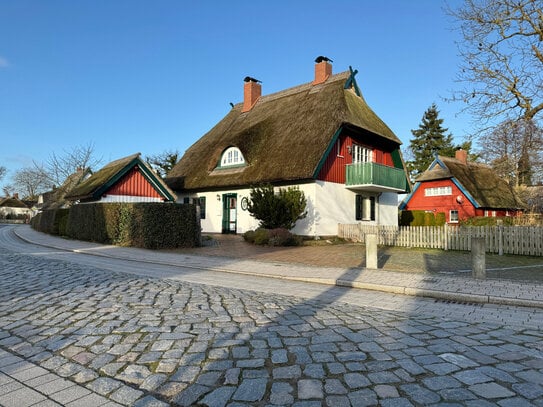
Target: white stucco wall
[{"x": 327, "y": 205}]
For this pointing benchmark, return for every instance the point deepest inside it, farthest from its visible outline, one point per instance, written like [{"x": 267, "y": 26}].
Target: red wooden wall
[
  {"x": 333, "y": 169},
  {"x": 456, "y": 201},
  {"x": 133, "y": 183},
  {"x": 441, "y": 203}
]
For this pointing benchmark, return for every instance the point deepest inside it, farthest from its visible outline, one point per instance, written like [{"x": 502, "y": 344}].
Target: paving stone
[
  {"x": 309, "y": 389},
  {"x": 218, "y": 397},
  {"x": 250, "y": 390},
  {"x": 126, "y": 395},
  {"x": 420, "y": 394},
  {"x": 186, "y": 374},
  {"x": 287, "y": 372},
  {"x": 150, "y": 401},
  {"x": 490, "y": 390},
  {"x": 103, "y": 385},
  {"x": 281, "y": 393}
]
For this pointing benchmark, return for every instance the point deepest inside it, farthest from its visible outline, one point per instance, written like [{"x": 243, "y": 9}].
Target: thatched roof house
[
  {"x": 284, "y": 137},
  {"x": 300, "y": 136},
  {"x": 129, "y": 179},
  {"x": 470, "y": 189}
]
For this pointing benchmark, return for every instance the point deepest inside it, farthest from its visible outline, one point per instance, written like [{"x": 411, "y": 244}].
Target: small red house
[
  {"x": 462, "y": 190},
  {"x": 129, "y": 179}
]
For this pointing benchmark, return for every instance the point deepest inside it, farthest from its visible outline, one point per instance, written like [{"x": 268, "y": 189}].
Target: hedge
[
  {"x": 146, "y": 225},
  {"x": 421, "y": 218}
]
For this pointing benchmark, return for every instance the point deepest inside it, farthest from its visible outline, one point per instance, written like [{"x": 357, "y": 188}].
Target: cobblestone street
[{"x": 79, "y": 335}]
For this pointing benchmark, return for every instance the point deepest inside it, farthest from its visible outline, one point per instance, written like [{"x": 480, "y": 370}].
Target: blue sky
[{"x": 147, "y": 76}]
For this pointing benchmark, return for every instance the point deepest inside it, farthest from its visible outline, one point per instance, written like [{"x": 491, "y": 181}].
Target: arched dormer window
[{"x": 231, "y": 157}]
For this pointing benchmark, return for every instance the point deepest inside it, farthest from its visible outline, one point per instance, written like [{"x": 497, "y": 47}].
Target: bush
[
  {"x": 421, "y": 218},
  {"x": 272, "y": 237},
  {"x": 441, "y": 219},
  {"x": 277, "y": 210},
  {"x": 487, "y": 221}
]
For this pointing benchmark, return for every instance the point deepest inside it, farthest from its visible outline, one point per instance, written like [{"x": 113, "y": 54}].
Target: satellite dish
[{"x": 459, "y": 199}]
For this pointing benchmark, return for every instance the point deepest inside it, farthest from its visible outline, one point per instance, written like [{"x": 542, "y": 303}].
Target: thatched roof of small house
[
  {"x": 57, "y": 197},
  {"x": 12, "y": 202},
  {"x": 96, "y": 185},
  {"x": 479, "y": 180},
  {"x": 282, "y": 138}
]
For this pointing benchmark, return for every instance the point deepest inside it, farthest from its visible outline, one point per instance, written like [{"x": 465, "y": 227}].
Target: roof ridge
[{"x": 300, "y": 88}]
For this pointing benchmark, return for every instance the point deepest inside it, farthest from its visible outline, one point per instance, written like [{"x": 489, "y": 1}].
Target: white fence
[{"x": 523, "y": 240}]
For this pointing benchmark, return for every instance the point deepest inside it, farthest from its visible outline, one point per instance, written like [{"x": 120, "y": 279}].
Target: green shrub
[
  {"x": 262, "y": 236},
  {"x": 421, "y": 218},
  {"x": 277, "y": 210},
  {"x": 249, "y": 236},
  {"x": 487, "y": 221}
]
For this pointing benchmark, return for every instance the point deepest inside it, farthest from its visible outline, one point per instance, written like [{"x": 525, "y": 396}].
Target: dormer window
[{"x": 232, "y": 157}]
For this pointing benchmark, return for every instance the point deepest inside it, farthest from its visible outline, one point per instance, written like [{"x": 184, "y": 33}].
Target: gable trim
[
  {"x": 147, "y": 174},
  {"x": 465, "y": 192},
  {"x": 331, "y": 145}
]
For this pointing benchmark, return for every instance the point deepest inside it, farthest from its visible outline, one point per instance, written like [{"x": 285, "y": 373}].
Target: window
[
  {"x": 453, "y": 216},
  {"x": 186, "y": 200},
  {"x": 361, "y": 154},
  {"x": 232, "y": 157},
  {"x": 365, "y": 208},
  {"x": 438, "y": 191},
  {"x": 202, "y": 203}
]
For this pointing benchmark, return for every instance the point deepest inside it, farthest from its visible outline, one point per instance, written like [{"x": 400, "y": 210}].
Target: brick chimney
[
  {"x": 323, "y": 69},
  {"x": 252, "y": 90},
  {"x": 462, "y": 155}
]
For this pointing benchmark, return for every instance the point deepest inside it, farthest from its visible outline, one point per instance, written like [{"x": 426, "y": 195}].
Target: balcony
[{"x": 375, "y": 177}]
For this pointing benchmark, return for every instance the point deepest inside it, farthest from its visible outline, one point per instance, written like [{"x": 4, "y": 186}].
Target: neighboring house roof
[
  {"x": 57, "y": 197},
  {"x": 12, "y": 203},
  {"x": 95, "y": 186},
  {"x": 285, "y": 136},
  {"x": 479, "y": 182}
]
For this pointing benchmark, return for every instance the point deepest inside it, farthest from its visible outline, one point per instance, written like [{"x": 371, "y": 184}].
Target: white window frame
[
  {"x": 362, "y": 154},
  {"x": 451, "y": 216},
  {"x": 438, "y": 191},
  {"x": 232, "y": 157}
]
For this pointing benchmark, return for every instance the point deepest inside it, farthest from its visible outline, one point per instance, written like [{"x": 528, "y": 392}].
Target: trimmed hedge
[
  {"x": 421, "y": 218},
  {"x": 146, "y": 225}
]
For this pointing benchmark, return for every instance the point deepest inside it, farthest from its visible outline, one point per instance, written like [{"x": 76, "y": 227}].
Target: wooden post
[
  {"x": 500, "y": 237},
  {"x": 371, "y": 251},
  {"x": 478, "y": 259}
]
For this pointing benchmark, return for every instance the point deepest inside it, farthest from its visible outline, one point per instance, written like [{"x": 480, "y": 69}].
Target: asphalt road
[{"x": 142, "y": 334}]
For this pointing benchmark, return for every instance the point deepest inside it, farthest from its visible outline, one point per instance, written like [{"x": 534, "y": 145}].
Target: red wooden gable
[
  {"x": 133, "y": 183},
  {"x": 333, "y": 169}
]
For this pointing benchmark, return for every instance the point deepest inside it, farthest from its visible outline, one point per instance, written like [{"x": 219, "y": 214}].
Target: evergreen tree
[{"x": 429, "y": 139}]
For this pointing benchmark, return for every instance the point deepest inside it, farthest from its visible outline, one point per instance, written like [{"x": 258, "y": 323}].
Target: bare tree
[
  {"x": 515, "y": 150},
  {"x": 503, "y": 58},
  {"x": 162, "y": 163},
  {"x": 8, "y": 190},
  {"x": 60, "y": 166},
  {"x": 2, "y": 172},
  {"x": 31, "y": 182}
]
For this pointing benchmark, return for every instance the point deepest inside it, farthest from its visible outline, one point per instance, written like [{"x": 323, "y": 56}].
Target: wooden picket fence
[{"x": 522, "y": 240}]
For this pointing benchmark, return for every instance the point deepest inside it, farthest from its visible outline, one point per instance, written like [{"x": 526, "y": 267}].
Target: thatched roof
[
  {"x": 96, "y": 185},
  {"x": 12, "y": 203},
  {"x": 57, "y": 197},
  {"x": 479, "y": 180},
  {"x": 283, "y": 137}
]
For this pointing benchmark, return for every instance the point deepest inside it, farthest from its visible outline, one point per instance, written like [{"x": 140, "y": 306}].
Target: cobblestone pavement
[{"x": 79, "y": 335}]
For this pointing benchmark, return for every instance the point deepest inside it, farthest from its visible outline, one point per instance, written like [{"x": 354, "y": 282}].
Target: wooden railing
[{"x": 523, "y": 240}]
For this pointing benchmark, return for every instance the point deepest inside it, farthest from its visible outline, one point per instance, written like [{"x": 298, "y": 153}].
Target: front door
[{"x": 229, "y": 213}]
